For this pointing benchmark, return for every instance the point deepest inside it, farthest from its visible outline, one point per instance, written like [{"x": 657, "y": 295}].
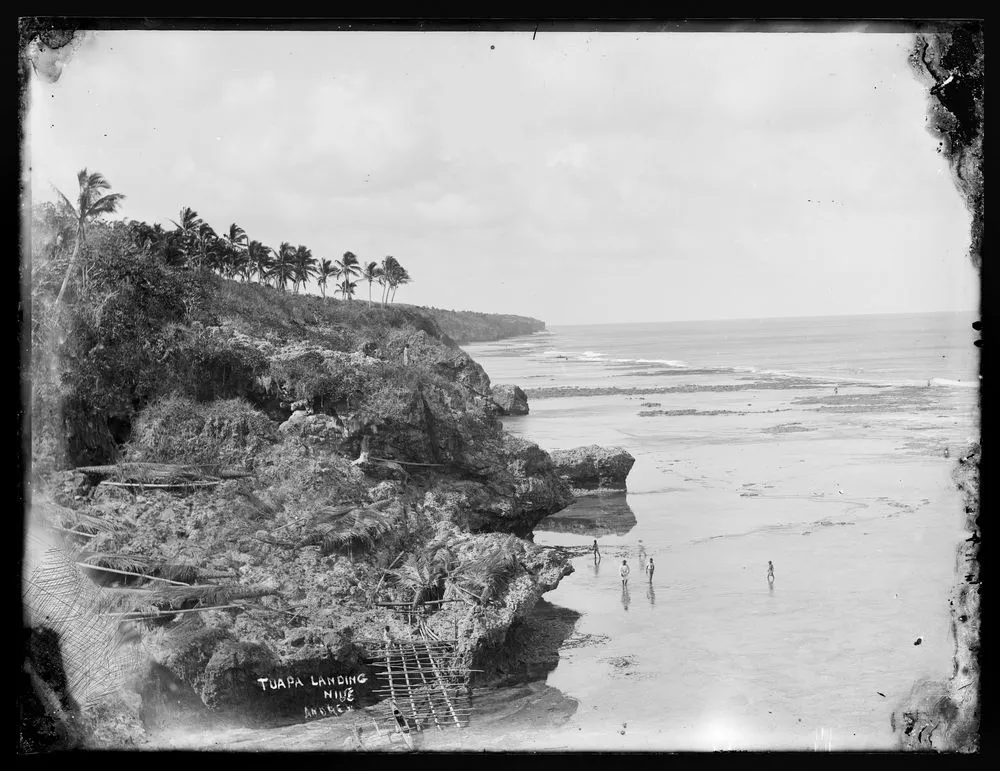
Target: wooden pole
[
  {"x": 409, "y": 687},
  {"x": 129, "y": 573},
  {"x": 145, "y": 614},
  {"x": 444, "y": 690},
  {"x": 430, "y": 702}
]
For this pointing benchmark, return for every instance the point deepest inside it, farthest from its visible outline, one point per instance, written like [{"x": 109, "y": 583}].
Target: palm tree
[
  {"x": 346, "y": 287},
  {"x": 424, "y": 576},
  {"x": 371, "y": 273},
  {"x": 260, "y": 259},
  {"x": 90, "y": 205},
  {"x": 205, "y": 239},
  {"x": 236, "y": 237},
  {"x": 392, "y": 275},
  {"x": 283, "y": 265},
  {"x": 190, "y": 221},
  {"x": 304, "y": 266},
  {"x": 386, "y": 270},
  {"x": 187, "y": 230},
  {"x": 349, "y": 267},
  {"x": 400, "y": 277},
  {"x": 234, "y": 254},
  {"x": 326, "y": 269}
]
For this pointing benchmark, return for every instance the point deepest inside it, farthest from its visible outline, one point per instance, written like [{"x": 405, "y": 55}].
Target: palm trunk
[{"x": 72, "y": 264}]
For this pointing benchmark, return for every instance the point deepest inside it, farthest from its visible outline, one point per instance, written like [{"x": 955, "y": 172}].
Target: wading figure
[
  {"x": 624, "y": 570},
  {"x": 650, "y": 567},
  {"x": 770, "y": 572},
  {"x": 597, "y": 552}
]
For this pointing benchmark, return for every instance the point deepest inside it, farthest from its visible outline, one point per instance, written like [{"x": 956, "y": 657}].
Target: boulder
[
  {"x": 594, "y": 467},
  {"x": 510, "y": 400},
  {"x": 518, "y": 489}
]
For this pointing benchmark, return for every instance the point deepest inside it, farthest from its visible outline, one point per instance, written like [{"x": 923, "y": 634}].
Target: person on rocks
[
  {"x": 624, "y": 570},
  {"x": 770, "y": 572},
  {"x": 597, "y": 552},
  {"x": 650, "y": 567},
  {"x": 406, "y": 354}
]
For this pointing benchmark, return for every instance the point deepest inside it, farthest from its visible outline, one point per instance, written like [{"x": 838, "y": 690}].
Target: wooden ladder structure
[{"x": 423, "y": 680}]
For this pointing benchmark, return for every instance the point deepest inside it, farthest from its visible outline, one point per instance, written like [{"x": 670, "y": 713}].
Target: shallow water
[{"x": 855, "y": 508}]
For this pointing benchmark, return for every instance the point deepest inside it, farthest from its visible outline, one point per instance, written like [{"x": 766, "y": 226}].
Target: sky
[{"x": 579, "y": 177}]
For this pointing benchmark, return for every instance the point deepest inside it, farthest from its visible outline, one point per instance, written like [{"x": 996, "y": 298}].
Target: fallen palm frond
[
  {"x": 489, "y": 573},
  {"x": 359, "y": 528},
  {"x": 172, "y": 597},
  {"x": 127, "y": 573},
  {"x": 139, "y": 615},
  {"x": 82, "y": 523},
  {"x": 171, "y": 486},
  {"x": 169, "y": 474},
  {"x": 139, "y": 564},
  {"x": 332, "y": 513},
  {"x": 116, "y": 560}
]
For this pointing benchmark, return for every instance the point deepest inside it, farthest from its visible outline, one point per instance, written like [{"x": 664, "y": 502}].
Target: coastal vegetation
[{"x": 194, "y": 243}]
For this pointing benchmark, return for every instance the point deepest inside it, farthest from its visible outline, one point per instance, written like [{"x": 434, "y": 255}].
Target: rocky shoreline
[{"x": 340, "y": 479}]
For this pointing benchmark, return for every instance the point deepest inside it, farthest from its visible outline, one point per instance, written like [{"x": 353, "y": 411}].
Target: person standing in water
[
  {"x": 650, "y": 567},
  {"x": 597, "y": 552},
  {"x": 770, "y": 572},
  {"x": 624, "y": 570}
]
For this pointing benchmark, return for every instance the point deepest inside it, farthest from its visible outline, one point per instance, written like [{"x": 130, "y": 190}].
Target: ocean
[{"x": 824, "y": 445}]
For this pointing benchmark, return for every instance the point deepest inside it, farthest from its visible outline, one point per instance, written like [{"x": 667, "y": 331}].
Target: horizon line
[{"x": 763, "y": 318}]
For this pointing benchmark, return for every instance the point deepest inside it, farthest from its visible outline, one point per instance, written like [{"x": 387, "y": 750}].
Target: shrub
[{"x": 175, "y": 429}]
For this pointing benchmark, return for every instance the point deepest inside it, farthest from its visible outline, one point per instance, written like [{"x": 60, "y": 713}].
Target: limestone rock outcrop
[
  {"x": 594, "y": 467},
  {"x": 510, "y": 400}
]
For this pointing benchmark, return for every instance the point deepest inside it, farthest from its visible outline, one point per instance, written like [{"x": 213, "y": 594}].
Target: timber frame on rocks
[{"x": 424, "y": 680}]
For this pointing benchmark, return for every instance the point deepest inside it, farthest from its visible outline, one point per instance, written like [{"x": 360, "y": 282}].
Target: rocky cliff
[
  {"x": 471, "y": 327},
  {"x": 354, "y": 456}
]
